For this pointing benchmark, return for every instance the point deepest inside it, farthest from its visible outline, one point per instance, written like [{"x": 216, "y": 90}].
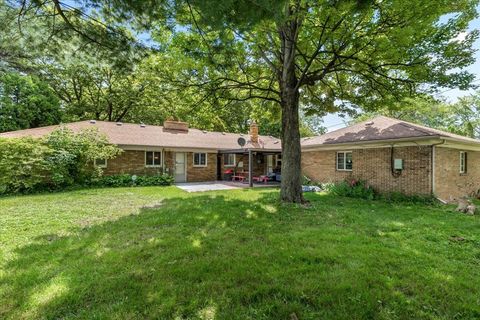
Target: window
[
  {"x": 463, "y": 162},
  {"x": 199, "y": 159},
  {"x": 279, "y": 160},
  {"x": 153, "y": 158},
  {"x": 101, "y": 163},
  {"x": 229, "y": 160},
  {"x": 344, "y": 161}
]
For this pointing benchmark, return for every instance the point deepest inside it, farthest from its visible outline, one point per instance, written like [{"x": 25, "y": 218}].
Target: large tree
[
  {"x": 26, "y": 102},
  {"x": 325, "y": 55}
]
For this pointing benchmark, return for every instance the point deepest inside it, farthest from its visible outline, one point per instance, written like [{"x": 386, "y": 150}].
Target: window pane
[
  {"x": 157, "y": 157},
  {"x": 199, "y": 159},
  {"x": 229, "y": 159},
  {"x": 101, "y": 162},
  {"x": 341, "y": 161},
  {"x": 463, "y": 162},
  {"x": 149, "y": 158},
  {"x": 348, "y": 161}
]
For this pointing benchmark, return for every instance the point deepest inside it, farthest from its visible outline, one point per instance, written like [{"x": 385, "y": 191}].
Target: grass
[{"x": 160, "y": 253}]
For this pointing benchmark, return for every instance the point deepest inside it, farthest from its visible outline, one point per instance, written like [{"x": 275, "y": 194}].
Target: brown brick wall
[
  {"x": 374, "y": 166},
  {"x": 198, "y": 174},
  {"x": 133, "y": 162},
  {"x": 450, "y": 184},
  {"x": 130, "y": 162}
]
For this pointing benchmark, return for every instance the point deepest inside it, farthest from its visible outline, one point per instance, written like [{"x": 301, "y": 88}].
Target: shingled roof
[
  {"x": 128, "y": 134},
  {"x": 380, "y": 129}
]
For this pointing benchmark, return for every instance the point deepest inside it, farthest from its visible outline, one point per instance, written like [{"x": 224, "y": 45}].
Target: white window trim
[
  {"x": 344, "y": 161},
  {"x": 234, "y": 160},
  {"x": 463, "y": 162},
  {"x": 102, "y": 165},
  {"x": 200, "y": 165},
  {"x": 153, "y": 165}
]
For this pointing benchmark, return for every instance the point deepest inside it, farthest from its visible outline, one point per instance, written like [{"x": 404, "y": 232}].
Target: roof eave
[{"x": 373, "y": 142}]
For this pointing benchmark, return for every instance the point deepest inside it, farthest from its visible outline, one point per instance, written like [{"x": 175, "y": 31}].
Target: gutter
[{"x": 369, "y": 142}]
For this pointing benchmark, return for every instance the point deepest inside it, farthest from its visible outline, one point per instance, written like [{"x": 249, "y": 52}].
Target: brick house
[
  {"x": 394, "y": 155},
  {"x": 389, "y": 154},
  {"x": 190, "y": 155}
]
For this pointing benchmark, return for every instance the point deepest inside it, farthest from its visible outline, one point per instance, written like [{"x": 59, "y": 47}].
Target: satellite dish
[{"x": 241, "y": 141}]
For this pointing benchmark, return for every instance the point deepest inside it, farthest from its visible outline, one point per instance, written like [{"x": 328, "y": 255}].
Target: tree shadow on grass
[
  {"x": 176, "y": 260},
  {"x": 207, "y": 257}
]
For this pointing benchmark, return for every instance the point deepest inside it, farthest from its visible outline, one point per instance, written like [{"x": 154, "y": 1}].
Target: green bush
[
  {"x": 73, "y": 155},
  {"x": 57, "y": 161},
  {"x": 361, "y": 189},
  {"x": 126, "y": 180},
  {"x": 22, "y": 164},
  {"x": 352, "y": 188}
]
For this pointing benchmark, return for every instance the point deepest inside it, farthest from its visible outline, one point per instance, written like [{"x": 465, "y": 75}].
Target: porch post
[{"x": 250, "y": 168}]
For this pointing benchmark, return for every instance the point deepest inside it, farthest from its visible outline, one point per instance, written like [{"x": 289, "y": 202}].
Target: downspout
[{"x": 433, "y": 165}]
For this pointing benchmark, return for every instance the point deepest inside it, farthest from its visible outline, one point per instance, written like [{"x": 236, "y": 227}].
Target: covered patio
[{"x": 250, "y": 166}]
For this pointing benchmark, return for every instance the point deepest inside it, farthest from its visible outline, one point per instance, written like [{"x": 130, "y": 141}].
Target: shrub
[
  {"x": 73, "y": 155},
  {"x": 22, "y": 164},
  {"x": 126, "y": 180},
  {"x": 361, "y": 189},
  {"x": 59, "y": 160},
  {"x": 352, "y": 188}
]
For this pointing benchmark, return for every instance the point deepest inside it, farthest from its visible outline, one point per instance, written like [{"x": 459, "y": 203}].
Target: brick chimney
[
  {"x": 175, "y": 126},
  {"x": 254, "y": 132}
]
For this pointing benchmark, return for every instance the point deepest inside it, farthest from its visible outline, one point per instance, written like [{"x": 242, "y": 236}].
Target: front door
[{"x": 180, "y": 167}]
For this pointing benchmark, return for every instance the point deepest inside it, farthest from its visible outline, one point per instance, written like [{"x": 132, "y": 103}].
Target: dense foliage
[
  {"x": 26, "y": 102},
  {"x": 61, "y": 159},
  {"x": 23, "y": 164}
]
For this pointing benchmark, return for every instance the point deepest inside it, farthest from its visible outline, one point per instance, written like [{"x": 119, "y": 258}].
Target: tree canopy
[{"x": 26, "y": 102}]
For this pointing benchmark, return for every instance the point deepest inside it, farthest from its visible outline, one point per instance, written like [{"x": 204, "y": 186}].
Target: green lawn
[{"x": 160, "y": 253}]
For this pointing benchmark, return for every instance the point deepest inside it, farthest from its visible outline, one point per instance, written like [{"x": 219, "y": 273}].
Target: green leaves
[
  {"x": 61, "y": 159},
  {"x": 26, "y": 102}
]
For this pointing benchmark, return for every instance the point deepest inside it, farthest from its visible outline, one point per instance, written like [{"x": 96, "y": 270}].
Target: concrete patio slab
[
  {"x": 206, "y": 186},
  {"x": 220, "y": 185}
]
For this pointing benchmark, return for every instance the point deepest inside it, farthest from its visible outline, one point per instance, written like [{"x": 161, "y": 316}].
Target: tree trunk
[{"x": 291, "y": 187}]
